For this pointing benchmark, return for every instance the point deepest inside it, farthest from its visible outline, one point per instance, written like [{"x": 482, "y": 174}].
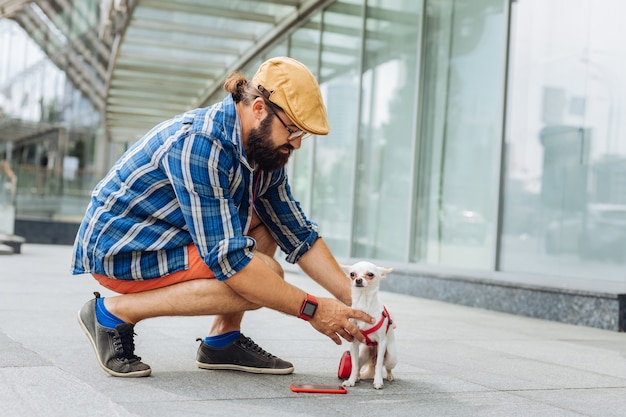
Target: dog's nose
[{"x": 358, "y": 282}]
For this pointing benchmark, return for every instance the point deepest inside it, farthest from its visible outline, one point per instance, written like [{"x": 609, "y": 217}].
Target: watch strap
[{"x": 308, "y": 308}]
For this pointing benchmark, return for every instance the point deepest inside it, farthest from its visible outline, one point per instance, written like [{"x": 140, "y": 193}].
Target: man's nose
[{"x": 296, "y": 143}]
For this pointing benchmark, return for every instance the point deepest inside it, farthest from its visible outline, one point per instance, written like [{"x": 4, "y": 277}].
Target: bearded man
[{"x": 189, "y": 219}]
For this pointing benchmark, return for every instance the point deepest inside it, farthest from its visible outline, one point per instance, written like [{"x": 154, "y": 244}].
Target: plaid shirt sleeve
[
  {"x": 183, "y": 182},
  {"x": 201, "y": 170},
  {"x": 284, "y": 217},
  {"x": 186, "y": 180}
]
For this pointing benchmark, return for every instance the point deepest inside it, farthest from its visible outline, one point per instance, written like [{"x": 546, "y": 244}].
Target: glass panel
[
  {"x": 49, "y": 129},
  {"x": 22, "y": 70},
  {"x": 460, "y": 133},
  {"x": 386, "y": 134},
  {"x": 304, "y": 46},
  {"x": 334, "y": 154},
  {"x": 565, "y": 198}
]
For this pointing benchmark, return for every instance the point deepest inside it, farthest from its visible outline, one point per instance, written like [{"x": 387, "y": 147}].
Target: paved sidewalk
[{"x": 453, "y": 360}]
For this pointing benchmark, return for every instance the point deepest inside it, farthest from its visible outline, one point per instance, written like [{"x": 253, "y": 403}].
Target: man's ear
[{"x": 259, "y": 108}]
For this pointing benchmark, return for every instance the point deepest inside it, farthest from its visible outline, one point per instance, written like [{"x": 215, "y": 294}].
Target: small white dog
[{"x": 380, "y": 347}]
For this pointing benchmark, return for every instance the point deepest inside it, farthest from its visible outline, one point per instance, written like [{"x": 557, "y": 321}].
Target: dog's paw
[
  {"x": 390, "y": 376},
  {"x": 378, "y": 384},
  {"x": 348, "y": 383}
]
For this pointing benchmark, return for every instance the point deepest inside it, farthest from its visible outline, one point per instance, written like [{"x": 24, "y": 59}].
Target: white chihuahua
[{"x": 380, "y": 347}]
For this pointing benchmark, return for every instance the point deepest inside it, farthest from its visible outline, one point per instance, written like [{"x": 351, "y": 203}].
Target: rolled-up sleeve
[{"x": 284, "y": 218}]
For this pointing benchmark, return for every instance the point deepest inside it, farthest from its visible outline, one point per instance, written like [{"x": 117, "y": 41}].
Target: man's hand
[{"x": 332, "y": 319}]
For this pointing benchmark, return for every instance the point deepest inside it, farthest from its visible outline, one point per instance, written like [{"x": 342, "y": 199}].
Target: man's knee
[
  {"x": 276, "y": 267},
  {"x": 208, "y": 288},
  {"x": 265, "y": 242},
  {"x": 272, "y": 263}
]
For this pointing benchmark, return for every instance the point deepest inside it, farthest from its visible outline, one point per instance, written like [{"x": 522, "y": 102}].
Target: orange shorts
[{"x": 197, "y": 270}]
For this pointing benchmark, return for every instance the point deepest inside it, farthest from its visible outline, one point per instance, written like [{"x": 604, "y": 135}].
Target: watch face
[{"x": 309, "y": 309}]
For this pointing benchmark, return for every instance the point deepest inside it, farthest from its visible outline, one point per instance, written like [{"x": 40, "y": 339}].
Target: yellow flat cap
[{"x": 294, "y": 89}]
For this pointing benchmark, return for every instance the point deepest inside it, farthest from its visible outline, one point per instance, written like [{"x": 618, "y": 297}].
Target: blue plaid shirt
[{"x": 187, "y": 180}]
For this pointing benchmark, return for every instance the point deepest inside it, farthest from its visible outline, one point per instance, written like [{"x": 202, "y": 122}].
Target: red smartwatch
[{"x": 309, "y": 306}]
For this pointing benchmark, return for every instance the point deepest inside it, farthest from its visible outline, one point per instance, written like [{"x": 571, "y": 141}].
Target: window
[
  {"x": 386, "y": 134},
  {"x": 333, "y": 169},
  {"x": 460, "y": 133},
  {"x": 565, "y": 190}
]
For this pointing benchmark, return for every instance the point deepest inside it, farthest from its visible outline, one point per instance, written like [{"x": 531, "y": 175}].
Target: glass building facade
[
  {"x": 49, "y": 122},
  {"x": 481, "y": 137}
]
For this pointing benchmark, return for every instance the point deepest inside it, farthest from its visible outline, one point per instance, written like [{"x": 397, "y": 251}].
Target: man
[{"x": 188, "y": 220}]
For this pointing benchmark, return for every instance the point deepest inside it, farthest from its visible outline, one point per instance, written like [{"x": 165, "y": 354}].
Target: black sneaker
[
  {"x": 115, "y": 348},
  {"x": 241, "y": 355}
]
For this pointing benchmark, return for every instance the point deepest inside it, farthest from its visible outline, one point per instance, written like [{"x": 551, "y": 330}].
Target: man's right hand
[{"x": 332, "y": 319}]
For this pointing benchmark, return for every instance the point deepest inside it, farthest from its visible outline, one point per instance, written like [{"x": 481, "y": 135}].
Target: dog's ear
[
  {"x": 384, "y": 271},
  {"x": 345, "y": 268}
]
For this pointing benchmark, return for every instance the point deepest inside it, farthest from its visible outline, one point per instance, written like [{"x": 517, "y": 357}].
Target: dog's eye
[
  {"x": 352, "y": 274},
  {"x": 370, "y": 275}
]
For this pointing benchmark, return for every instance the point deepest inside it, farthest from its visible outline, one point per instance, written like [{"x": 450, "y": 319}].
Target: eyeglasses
[{"x": 293, "y": 134}]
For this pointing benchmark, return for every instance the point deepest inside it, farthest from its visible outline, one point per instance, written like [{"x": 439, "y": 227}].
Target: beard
[{"x": 262, "y": 152}]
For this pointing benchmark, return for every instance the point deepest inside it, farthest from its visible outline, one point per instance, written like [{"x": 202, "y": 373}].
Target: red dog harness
[{"x": 378, "y": 325}]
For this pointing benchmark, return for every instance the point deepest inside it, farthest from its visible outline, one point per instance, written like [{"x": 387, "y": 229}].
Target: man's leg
[
  {"x": 265, "y": 249},
  {"x": 188, "y": 298},
  {"x": 242, "y": 354},
  {"x": 198, "y": 296},
  {"x": 109, "y": 323}
]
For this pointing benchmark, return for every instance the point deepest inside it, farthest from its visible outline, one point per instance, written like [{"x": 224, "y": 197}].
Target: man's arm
[
  {"x": 319, "y": 263},
  {"x": 280, "y": 212},
  {"x": 257, "y": 283}
]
